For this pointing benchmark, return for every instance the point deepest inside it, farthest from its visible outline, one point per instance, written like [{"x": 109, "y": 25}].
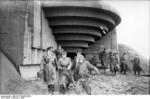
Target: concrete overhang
[
  {"x": 79, "y": 21},
  {"x": 95, "y": 4}
]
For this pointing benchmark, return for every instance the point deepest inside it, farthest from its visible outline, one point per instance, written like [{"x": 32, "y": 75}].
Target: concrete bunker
[{"x": 27, "y": 28}]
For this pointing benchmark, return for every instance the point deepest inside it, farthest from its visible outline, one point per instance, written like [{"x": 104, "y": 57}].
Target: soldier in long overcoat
[
  {"x": 48, "y": 65},
  {"x": 103, "y": 56},
  {"x": 113, "y": 63},
  {"x": 65, "y": 74},
  {"x": 123, "y": 63},
  {"x": 136, "y": 65}
]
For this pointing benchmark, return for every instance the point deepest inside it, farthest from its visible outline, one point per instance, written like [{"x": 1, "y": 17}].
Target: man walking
[
  {"x": 136, "y": 65},
  {"x": 82, "y": 73},
  {"x": 123, "y": 63},
  {"x": 104, "y": 59}
]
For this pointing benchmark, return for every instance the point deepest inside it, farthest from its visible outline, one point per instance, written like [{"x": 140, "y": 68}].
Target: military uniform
[
  {"x": 65, "y": 75},
  {"x": 49, "y": 70},
  {"x": 95, "y": 61},
  {"x": 136, "y": 65},
  {"x": 123, "y": 64},
  {"x": 82, "y": 74},
  {"x": 113, "y": 62},
  {"x": 104, "y": 59},
  {"x": 78, "y": 58}
]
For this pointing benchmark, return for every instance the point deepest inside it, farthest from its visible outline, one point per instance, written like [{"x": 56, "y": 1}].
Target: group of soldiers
[
  {"x": 60, "y": 71},
  {"x": 106, "y": 61},
  {"x": 112, "y": 61},
  {"x": 124, "y": 66}
]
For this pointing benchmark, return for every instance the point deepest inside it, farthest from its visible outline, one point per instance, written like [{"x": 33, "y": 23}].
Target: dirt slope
[{"x": 9, "y": 76}]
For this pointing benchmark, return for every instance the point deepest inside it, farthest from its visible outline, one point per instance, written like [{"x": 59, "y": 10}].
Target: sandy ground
[
  {"x": 100, "y": 85},
  {"x": 119, "y": 85}
]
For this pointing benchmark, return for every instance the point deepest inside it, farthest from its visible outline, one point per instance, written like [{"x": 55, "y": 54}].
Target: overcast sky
[{"x": 134, "y": 29}]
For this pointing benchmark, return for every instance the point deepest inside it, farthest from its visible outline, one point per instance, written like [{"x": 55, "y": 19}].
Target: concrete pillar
[
  {"x": 37, "y": 25},
  {"x": 27, "y": 40},
  {"x": 114, "y": 40},
  {"x": 28, "y": 34},
  {"x": 109, "y": 42}
]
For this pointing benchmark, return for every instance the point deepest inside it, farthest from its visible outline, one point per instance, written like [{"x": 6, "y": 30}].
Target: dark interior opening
[{"x": 71, "y": 55}]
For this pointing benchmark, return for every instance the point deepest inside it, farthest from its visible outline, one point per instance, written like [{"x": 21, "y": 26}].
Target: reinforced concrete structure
[{"x": 29, "y": 27}]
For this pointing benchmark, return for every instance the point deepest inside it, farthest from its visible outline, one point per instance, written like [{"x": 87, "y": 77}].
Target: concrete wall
[
  {"x": 16, "y": 22},
  {"x": 23, "y": 32},
  {"x": 109, "y": 42},
  {"x": 12, "y": 27},
  {"x": 40, "y": 39}
]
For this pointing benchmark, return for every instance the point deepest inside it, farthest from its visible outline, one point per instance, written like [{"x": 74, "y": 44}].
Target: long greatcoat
[
  {"x": 104, "y": 59},
  {"x": 123, "y": 63},
  {"x": 65, "y": 76},
  {"x": 113, "y": 61},
  {"x": 49, "y": 68},
  {"x": 136, "y": 65}
]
